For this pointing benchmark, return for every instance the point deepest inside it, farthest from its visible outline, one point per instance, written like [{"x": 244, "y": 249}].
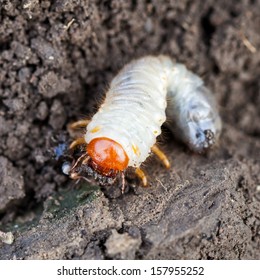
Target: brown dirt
[{"x": 56, "y": 60}]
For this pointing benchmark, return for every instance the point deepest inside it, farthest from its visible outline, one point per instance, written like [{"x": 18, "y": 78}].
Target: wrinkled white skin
[
  {"x": 192, "y": 110},
  {"x": 134, "y": 108}
]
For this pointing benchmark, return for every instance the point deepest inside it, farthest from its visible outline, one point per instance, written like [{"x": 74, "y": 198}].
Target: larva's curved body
[
  {"x": 134, "y": 108},
  {"x": 124, "y": 130}
]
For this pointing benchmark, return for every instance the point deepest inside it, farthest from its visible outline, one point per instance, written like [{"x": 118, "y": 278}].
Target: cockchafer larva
[{"x": 123, "y": 132}]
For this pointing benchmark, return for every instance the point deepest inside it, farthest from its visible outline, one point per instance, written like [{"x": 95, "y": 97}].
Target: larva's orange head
[{"x": 107, "y": 154}]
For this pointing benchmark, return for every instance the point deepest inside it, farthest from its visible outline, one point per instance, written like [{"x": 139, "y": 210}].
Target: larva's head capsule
[{"x": 107, "y": 155}]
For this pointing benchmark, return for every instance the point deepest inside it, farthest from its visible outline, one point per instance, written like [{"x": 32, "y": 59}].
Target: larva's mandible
[{"x": 123, "y": 132}]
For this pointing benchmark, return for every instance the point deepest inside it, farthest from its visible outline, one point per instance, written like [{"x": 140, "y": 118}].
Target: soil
[{"x": 57, "y": 59}]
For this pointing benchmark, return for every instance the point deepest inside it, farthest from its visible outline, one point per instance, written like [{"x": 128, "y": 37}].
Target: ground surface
[{"x": 56, "y": 60}]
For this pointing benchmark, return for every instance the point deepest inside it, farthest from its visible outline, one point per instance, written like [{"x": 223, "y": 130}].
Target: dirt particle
[
  {"x": 15, "y": 148},
  {"x": 122, "y": 246},
  {"x": 11, "y": 183},
  {"x": 50, "y": 85},
  {"x": 7, "y": 237},
  {"x": 21, "y": 51},
  {"x": 46, "y": 190},
  {"x": 48, "y": 54},
  {"x": 15, "y": 105},
  {"x": 58, "y": 115},
  {"x": 4, "y": 126},
  {"x": 24, "y": 74},
  {"x": 42, "y": 111},
  {"x": 29, "y": 4}
]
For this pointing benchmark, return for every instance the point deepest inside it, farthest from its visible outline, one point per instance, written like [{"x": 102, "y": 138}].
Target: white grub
[{"x": 135, "y": 108}]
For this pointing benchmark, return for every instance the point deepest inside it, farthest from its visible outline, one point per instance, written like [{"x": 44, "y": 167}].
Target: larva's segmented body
[
  {"x": 123, "y": 131},
  {"x": 134, "y": 109}
]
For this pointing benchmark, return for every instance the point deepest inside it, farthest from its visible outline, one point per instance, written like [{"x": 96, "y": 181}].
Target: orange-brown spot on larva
[
  {"x": 95, "y": 129},
  {"x": 107, "y": 154},
  {"x": 135, "y": 149}
]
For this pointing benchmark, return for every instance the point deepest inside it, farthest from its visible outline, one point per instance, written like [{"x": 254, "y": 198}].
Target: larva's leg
[
  {"x": 79, "y": 160},
  {"x": 78, "y": 141},
  {"x": 139, "y": 172},
  {"x": 86, "y": 160},
  {"x": 79, "y": 124},
  {"x": 161, "y": 155},
  {"x": 83, "y": 159},
  {"x": 76, "y": 176}
]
